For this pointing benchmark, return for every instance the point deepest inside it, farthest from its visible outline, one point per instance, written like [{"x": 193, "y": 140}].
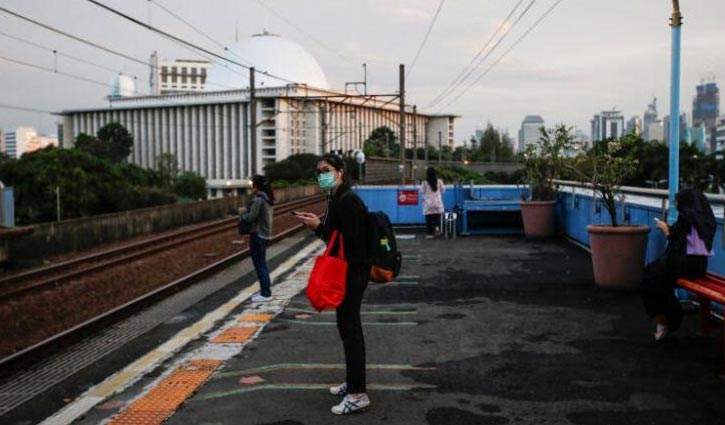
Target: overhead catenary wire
[
  {"x": 182, "y": 41},
  {"x": 196, "y": 29},
  {"x": 301, "y": 30},
  {"x": 487, "y": 55},
  {"x": 455, "y": 81},
  {"x": 516, "y": 43},
  {"x": 425, "y": 38},
  {"x": 69, "y": 56},
  {"x": 25, "y": 109},
  {"x": 85, "y": 41}
]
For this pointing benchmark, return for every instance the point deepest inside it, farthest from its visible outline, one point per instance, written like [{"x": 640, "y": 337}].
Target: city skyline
[{"x": 619, "y": 57}]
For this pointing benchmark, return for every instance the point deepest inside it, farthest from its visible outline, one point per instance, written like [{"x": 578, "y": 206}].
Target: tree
[
  {"x": 495, "y": 146},
  {"x": 118, "y": 141},
  {"x": 190, "y": 185},
  {"x": 382, "y": 142},
  {"x": 112, "y": 143},
  {"x": 299, "y": 167},
  {"x": 167, "y": 170}
]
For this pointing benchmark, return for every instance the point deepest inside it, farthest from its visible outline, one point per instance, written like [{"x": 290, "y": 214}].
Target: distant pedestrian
[
  {"x": 259, "y": 215},
  {"x": 432, "y": 190},
  {"x": 346, "y": 213},
  {"x": 689, "y": 243}
]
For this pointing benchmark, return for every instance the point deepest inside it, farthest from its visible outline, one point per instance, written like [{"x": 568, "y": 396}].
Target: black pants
[
  {"x": 660, "y": 279},
  {"x": 349, "y": 325},
  {"x": 432, "y": 221}
]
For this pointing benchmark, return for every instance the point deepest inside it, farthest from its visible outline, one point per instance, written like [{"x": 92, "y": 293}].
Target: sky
[{"x": 584, "y": 57}]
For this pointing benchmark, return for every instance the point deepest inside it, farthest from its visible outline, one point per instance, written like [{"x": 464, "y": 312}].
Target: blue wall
[
  {"x": 385, "y": 198},
  {"x": 574, "y": 213}
]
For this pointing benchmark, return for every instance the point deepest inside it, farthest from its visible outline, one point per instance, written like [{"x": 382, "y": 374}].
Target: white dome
[
  {"x": 122, "y": 86},
  {"x": 267, "y": 53}
]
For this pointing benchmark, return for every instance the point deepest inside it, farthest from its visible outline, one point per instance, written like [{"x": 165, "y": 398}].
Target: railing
[{"x": 661, "y": 194}]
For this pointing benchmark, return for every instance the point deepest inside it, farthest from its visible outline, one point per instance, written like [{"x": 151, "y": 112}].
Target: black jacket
[{"x": 347, "y": 214}]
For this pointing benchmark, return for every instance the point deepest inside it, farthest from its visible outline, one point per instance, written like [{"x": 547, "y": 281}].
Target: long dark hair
[
  {"x": 695, "y": 209},
  {"x": 338, "y": 164},
  {"x": 432, "y": 179},
  {"x": 262, "y": 184}
]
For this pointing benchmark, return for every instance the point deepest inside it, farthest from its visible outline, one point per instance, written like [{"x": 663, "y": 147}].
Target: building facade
[
  {"x": 650, "y": 117},
  {"x": 634, "y": 126},
  {"x": 719, "y": 148},
  {"x": 608, "y": 124},
  {"x": 16, "y": 142},
  {"x": 706, "y": 110},
  {"x": 210, "y": 133},
  {"x": 175, "y": 76},
  {"x": 529, "y": 132}
]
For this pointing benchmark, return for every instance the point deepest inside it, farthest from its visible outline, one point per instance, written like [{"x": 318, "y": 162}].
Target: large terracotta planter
[
  {"x": 618, "y": 255},
  {"x": 539, "y": 218}
]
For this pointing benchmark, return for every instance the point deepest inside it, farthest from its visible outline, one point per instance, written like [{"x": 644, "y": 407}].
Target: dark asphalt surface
[{"x": 479, "y": 330}]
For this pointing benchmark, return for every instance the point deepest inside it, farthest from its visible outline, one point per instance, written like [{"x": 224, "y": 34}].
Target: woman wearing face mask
[
  {"x": 347, "y": 214},
  {"x": 260, "y": 216},
  {"x": 689, "y": 243}
]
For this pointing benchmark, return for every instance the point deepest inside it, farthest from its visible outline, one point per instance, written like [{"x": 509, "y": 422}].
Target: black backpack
[{"x": 385, "y": 258}]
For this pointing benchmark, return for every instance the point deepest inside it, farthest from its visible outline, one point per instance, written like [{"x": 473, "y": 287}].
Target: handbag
[
  {"x": 326, "y": 286},
  {"x": 244, "y": 226}
]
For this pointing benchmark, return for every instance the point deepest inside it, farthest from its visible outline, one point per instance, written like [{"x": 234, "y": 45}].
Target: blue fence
[{"x": 574, "y": 212}]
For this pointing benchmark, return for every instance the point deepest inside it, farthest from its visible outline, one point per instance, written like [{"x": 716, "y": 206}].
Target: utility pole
[
  {"x": 252, "y": 121},
  {"x": 323, "y": 127},
  {"x": 425, "y": 145},
  {"x": 676, "y": 24},
  {"x": 402, "y": 124},
  {"x": 415, "y": 143},
  {"x": 440, "y": 148}
]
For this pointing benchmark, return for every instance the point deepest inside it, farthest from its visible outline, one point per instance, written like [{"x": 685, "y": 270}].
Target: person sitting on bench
[{"x": 689, "y": 243}]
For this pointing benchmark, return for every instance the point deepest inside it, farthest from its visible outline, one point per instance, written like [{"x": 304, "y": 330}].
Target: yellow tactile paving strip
[
  {"x": 256, "y": 318},
  {"x": 159, "y": 403},
  {"x": 236, "y": 335}
]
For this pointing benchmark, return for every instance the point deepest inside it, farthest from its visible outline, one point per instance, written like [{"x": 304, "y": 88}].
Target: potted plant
[
  {"x": 543, "y": 163},
  {"x": 618, "y": 251}
]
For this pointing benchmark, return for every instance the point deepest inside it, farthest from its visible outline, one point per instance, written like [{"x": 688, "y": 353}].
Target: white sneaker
[
  {"x": 339, "y": 390},
  {"x": 259, "y": 298},
  {"x": 351, "y": 404}
]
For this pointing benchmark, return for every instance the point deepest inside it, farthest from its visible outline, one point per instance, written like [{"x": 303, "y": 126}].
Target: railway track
[
  {"x": 42, "y": 278},
  {"x": 68, "y": 271}
]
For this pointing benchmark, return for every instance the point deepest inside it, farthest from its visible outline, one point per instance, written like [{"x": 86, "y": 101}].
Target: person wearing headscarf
[
  {"x": 689, "y": 244},
  {"x": 259, "y": 215},
  {"x": 432, "y": 189}
]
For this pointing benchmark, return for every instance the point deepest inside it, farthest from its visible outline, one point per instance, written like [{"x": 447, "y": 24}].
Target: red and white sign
[{"x": 407, "y": 197}]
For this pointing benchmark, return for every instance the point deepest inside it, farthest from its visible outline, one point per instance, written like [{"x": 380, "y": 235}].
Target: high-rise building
[
  {"x": 706, "y": 109},
  {"x": 608, "y": 124},
  {"x": 179, "y": 76},
  {"x": 719, "y": 149},
  {"x": 634, "y": 126},
  {"x": 683, "y": 128},
  {"x": 529, "y": 132},
  {"x": 698, "y": 135},
  {"x": 16, "y": 142},
  {"x": 2, "y": 140},
  {"x": 650, "y": 117}
]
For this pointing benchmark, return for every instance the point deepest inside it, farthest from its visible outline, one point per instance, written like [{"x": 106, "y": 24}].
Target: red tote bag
[{"x": 326, "y": 287}]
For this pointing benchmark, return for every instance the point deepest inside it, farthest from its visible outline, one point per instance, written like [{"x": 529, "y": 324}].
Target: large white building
[
  {"x": 529, "y": 133},
  {"x": 209, "y": 131},
  {"x": 16, "y": 142},
  {"x": 180, "y": 75}
]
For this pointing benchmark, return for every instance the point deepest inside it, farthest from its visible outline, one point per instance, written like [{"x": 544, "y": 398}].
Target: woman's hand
[
  {"x": 311, "y": 221},
  {"x": 242, "y": 210},
  {"x": 663, "y": 227}
]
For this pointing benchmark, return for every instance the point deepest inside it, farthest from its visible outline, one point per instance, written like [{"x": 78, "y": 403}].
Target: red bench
[{"x": 710, "y": 288}]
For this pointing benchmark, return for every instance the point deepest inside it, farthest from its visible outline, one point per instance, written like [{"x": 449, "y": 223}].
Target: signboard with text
[{"x": 407, "y": 197}]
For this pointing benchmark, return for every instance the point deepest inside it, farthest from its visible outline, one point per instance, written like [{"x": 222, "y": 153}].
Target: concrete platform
[{"x": 478, "y": 330}]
